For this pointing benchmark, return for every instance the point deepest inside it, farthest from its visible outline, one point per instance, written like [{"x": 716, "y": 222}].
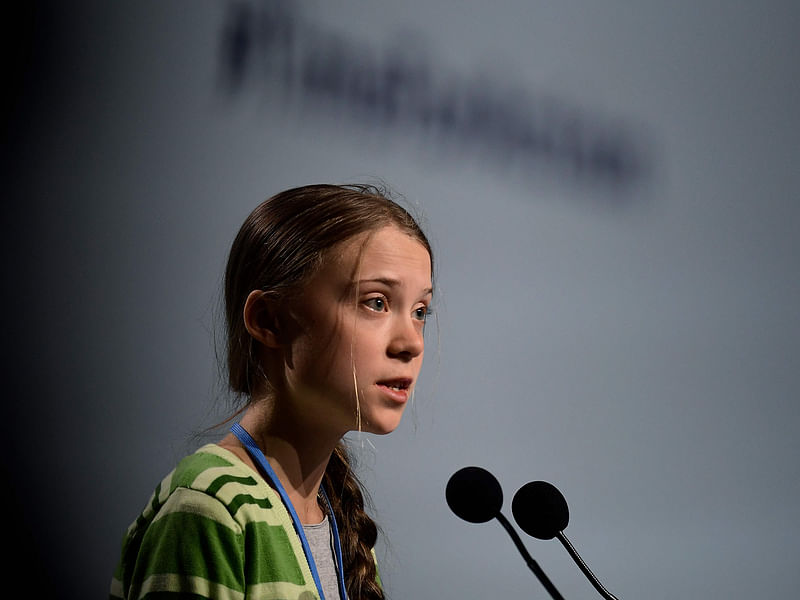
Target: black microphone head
[
  {"x": 540, "y": 510},
  {"x": 474, "y": 495}
]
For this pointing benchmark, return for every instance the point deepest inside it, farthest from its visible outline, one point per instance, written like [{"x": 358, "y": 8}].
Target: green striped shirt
[{"x": 213, "y": 529}]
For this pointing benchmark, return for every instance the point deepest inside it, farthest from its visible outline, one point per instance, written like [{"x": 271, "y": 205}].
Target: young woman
[{"x": 327, "y": 289}]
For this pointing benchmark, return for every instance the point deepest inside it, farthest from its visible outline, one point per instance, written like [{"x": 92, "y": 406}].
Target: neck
[{"x": 299, "y": 457}]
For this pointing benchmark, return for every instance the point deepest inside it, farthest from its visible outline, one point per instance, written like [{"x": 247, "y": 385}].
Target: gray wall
[{"x": 629, "y": 333}]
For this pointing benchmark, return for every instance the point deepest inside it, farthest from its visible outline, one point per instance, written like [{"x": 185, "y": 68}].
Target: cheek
[
  {"x": 330, "y": 360},
  {"x": 319, "y": 361},
  {"x": 320, "y": 337}
]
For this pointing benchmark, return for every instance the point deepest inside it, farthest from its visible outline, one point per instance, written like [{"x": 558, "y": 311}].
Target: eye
[
  {"x": 377, "y": 304},
  {"x": 421, "y": 313}
]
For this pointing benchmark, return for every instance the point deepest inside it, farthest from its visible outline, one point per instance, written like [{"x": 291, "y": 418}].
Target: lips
[
  {"x": 401, "y": 383},
  {"x": 397, "y": 389}
]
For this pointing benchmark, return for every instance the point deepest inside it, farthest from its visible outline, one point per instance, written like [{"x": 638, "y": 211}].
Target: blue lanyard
[{"x": 258, "y": 456}]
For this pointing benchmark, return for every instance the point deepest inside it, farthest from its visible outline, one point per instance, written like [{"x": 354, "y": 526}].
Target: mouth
[
  {"x": 398, "y": 389},
  {"x": 396, "y": 384}
]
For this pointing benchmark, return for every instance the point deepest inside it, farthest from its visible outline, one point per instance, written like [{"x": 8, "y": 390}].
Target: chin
[{"x": 381, "y": 426}]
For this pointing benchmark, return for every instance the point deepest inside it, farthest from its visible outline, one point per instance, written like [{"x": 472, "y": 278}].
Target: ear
[{"x": 260, "y": 318}]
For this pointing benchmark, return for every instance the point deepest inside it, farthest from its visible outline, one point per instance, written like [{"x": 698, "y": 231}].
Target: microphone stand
[
  {"x": 586, "y": 571},
  {"x": 532, "y": 564}
]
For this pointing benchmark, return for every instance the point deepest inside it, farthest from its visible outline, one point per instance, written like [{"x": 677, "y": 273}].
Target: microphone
[
  {"x": 475, "y": 495},
  {"x": 541, "y": 511}
]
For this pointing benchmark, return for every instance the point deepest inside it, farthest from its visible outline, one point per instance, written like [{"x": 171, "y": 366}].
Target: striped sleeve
[
  {"x": 212, "y": 530},
  {"x": 192, "y": 547}
]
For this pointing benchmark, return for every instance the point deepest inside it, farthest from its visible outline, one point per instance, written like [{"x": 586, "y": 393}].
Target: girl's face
[{"x": 358, "y": 326}]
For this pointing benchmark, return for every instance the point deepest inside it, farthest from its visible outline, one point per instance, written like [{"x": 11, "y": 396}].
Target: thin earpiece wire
[
  {"x": 355, "y": 389},
  {"x": 352, "y": 346}
]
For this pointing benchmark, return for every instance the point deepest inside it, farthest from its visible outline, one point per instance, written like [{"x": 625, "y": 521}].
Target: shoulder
[
  {"x": 215, "y": 479},
  {"x": 211, "y": 488},
  {"x": 201, "y": 522},
  {"x": 208, "y": 470}
]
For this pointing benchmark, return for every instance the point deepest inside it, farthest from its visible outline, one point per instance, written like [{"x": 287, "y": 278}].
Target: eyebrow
[{"x": 389, "y": 282}]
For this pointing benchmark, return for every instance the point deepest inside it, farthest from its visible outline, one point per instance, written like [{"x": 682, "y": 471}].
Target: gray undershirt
[{"x": 320, "y": 541}]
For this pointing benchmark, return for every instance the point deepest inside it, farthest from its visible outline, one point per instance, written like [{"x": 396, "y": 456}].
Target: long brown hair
[{"x": 277, "y": 250}]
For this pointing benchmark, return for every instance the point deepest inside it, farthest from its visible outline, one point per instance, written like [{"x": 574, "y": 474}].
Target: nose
[{"x": 406, "y": 340}]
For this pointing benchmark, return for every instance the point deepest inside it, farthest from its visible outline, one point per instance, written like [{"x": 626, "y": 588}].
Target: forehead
[{"x": 388, "y": 252}]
